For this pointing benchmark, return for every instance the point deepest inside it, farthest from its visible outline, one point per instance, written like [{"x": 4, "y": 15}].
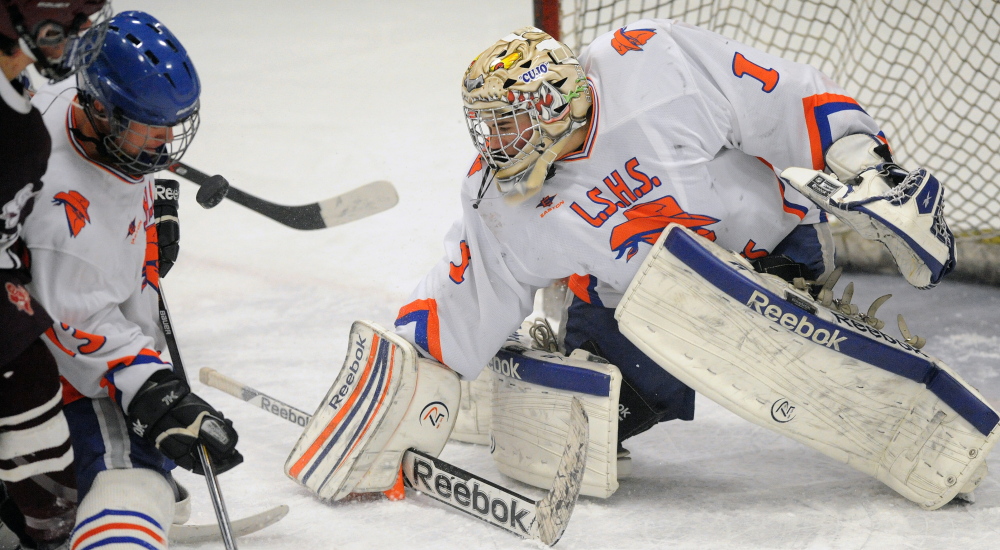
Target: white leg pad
[
  {"x": 472, "y": 424},
  {"x": 531, "y": 405},
  {"x": 774, "y": 356},
  {"x": 124, "y": 510},
  {"x": 374, "y": 411}
]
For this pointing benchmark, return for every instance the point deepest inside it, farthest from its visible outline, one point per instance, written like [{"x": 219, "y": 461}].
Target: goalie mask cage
[{"x": 926, "y": 70}]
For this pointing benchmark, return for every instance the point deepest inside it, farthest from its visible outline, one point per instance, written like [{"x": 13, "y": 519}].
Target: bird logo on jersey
[
  {"x": 646, "y": 221},
  {"x": 76, "y": 206},
  {"x": 476, "y": 166},
  {"x": 625, "y": 41},
  {"x": 19, "y": 296}
]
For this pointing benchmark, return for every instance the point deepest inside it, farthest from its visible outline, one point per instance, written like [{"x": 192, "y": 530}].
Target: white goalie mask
[{"x": 524, "y": 96}]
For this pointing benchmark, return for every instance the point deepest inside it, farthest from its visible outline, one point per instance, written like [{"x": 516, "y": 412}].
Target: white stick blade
[
  {"x": 194, "y": 534},
  {"x": 358, "y": 203}
]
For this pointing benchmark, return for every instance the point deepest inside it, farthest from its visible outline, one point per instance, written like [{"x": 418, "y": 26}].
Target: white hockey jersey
[
  {"x": 94, "y": 263},
  {"x": 688, "y": 127}
]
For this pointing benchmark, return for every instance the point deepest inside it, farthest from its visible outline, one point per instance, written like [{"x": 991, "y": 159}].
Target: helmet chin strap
[{"x": 530, "y": 184}]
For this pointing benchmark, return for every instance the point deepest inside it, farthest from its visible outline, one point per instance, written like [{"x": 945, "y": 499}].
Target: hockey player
[
  {"x": 583, "y": 164},
  {"x": 96, "y": 249},
  {"x": 35, "y": 453}
]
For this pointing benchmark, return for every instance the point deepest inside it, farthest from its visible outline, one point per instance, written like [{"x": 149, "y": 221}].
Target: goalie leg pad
[
  {"x": 375, "y": 410},
  {"x": 472, "y": 424},
  {"x": 830, "y": 381},
  {"x": 534, "y": 390},
  {"x": 127, "y": 508}
]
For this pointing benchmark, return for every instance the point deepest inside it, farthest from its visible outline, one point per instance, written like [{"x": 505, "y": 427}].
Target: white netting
[{"x": 927, "y": 70}]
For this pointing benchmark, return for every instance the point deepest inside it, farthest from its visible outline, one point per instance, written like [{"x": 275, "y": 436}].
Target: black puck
[{"x": 213, "y": 191}]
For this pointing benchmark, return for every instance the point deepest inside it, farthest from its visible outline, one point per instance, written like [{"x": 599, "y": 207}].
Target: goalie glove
[
  {"x": 166, "y": 413},
  {"x": 168, "y": 229},
  {"x": 907, "y": 218}
]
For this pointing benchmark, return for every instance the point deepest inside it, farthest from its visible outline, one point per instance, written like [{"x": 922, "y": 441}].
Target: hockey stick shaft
[
  {"x": 544, "y": 520},
  {"x": 214, "y": 491},
  {"x": 358, "y": 203}
]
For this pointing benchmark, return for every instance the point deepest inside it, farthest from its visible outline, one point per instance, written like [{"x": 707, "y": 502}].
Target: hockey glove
[
  {"x": 168, "y": 229},
  {"x": 167, "y": 414}
]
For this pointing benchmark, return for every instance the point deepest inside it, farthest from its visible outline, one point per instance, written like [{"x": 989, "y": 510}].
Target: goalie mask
[
  {"x": 524, "y": 97},
  {"x": 141, "y": 94}
]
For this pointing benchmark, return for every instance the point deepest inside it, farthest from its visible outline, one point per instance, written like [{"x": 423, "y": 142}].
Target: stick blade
[
  {"x": 194, "y": 534},
  {"x": 358, "y": 203},
  {"x": 556, "y": 508}
]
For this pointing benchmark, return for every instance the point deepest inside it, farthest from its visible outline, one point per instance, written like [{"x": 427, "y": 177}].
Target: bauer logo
[
  {"x": 473, "y": 497},
  {"x": 799, "y": 324},
  {"x": 782, "y": 411},
  {"x": 435, "y": 414},
  {"x": 352, "y": 373},
  {"x": 506, "y": 367}
]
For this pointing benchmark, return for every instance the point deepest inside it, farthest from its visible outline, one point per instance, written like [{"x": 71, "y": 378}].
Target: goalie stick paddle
[
  {"x": 543, "y": 520},
  {"x": 355, "y": 204}
]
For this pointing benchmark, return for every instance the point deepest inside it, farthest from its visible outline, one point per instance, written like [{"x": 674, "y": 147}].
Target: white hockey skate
[{"x": 908, "y": 218}]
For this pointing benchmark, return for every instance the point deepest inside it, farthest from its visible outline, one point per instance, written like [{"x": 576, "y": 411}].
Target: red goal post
[{"x": 927, "y": 70}]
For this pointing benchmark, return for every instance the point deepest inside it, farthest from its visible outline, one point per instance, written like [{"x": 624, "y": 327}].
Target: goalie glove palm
[{"x": 166, "y": 413}]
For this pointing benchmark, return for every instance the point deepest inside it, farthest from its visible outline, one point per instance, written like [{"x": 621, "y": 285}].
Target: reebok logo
[
  {"x": 345, "y": 388},
  {"x": 473, "y": 498},
  {"x": 799, "y": 324},
  {"x": 506, "y": 367},
  {"x": 284, "y": 411}
]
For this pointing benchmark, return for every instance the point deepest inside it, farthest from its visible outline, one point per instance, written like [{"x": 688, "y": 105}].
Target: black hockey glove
[
  {"x": 168, "y": 229},
  {"x": 167, "y": 414}
]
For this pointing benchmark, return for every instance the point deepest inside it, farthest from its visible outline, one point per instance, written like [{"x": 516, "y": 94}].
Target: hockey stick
[
  {"x": 225, "y": 528},
  {"x": 543, "y": 520},
  {"x": 358, "y": 203},
  {"x": 193, "y": 534}
]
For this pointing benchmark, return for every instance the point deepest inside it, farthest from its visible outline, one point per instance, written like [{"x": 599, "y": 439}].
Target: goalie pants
[
  {"x": 102, "y": 441},
  {"x": 649, "y": 394}
]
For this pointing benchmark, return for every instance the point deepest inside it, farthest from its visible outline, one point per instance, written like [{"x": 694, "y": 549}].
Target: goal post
[{"x": 927, "y": 70}]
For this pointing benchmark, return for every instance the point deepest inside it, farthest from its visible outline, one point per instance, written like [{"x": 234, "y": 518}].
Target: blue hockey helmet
[{"x": 141, "y": 94}]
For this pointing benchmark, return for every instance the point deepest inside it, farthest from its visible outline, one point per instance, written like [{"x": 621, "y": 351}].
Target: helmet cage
[
  {"x": 80, "y": 46},
  {"x": 129, "y": 143},
  {"x": 506, "y": 136}
]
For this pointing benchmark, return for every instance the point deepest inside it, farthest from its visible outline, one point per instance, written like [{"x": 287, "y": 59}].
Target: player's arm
[{"x": 794, "y": 117}]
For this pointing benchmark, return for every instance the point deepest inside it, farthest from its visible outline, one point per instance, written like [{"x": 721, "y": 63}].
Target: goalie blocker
[
  {"x": 832, "y": 380},
  {"x": 385, "y": 400}
]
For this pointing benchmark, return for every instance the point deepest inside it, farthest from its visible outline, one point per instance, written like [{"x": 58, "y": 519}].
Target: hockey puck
[{"x": 213, "y": 191}]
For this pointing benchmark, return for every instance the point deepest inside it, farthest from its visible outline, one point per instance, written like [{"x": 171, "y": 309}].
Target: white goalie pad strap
[
  {"x": 776, "y": 357},
  {"x": 359, "y": 414},
  {"x": 472, "y": 424},
  {"x": 426, "y": 424},
  {"x": 531, "y": 406}
]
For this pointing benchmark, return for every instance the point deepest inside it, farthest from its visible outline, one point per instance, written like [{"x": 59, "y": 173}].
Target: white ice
[{"x": 304, "y": 99}]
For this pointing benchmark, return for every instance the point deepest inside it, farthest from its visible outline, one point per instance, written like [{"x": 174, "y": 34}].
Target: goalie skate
[{"x": 908, "y": 219}]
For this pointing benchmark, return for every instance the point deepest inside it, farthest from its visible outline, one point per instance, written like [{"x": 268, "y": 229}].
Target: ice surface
[{"x": 308, "y": 98}]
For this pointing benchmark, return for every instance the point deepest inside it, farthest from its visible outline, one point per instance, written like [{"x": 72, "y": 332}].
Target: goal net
[{"x": 926, "y": 70}]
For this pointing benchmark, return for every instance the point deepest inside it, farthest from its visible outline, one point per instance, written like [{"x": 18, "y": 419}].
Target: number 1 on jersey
[{"x": 743, "y": 66}]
